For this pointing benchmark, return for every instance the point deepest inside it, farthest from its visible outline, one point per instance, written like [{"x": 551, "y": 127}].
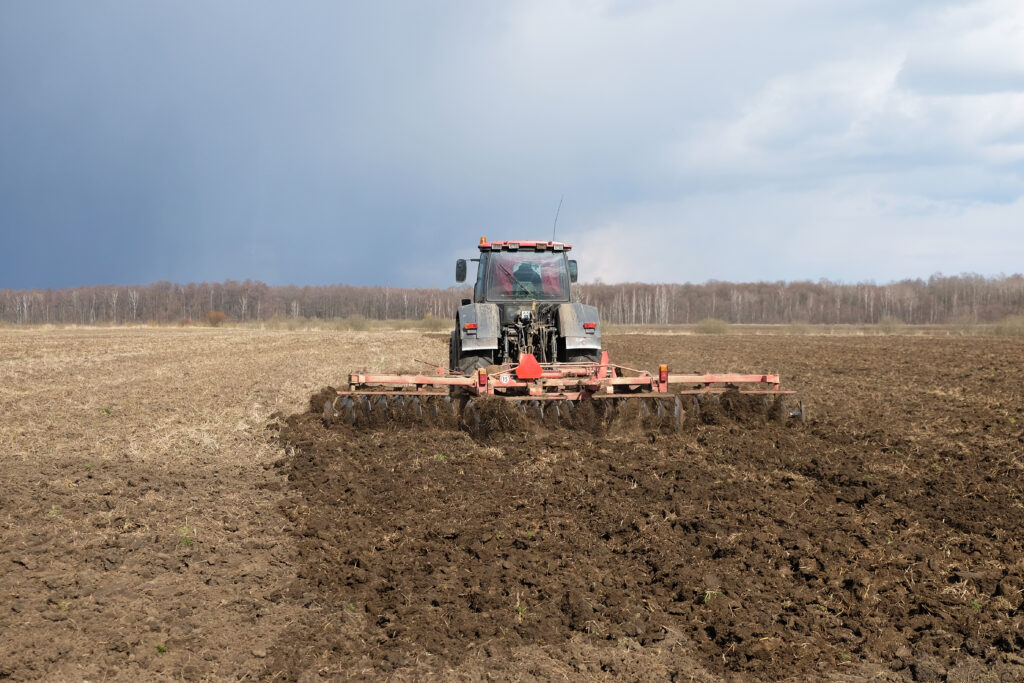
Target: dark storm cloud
[
  {"x": 371, "y": 143},
  {"x": 143, "y": 141}
]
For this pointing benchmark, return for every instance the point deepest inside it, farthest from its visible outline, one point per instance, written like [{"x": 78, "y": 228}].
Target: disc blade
[{"x": 470, "y": 416}]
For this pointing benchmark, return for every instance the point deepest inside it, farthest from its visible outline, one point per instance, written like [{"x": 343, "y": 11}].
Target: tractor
[
  {"x": 522, "y": 304},
  {"x": 522, "y": 338}
]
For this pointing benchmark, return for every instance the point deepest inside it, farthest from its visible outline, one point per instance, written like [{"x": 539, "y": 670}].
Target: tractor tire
[
  {"x": 583, "y": 356},
  {"x": 470, "y": 362},
  {"x": 466, "y": 362}
]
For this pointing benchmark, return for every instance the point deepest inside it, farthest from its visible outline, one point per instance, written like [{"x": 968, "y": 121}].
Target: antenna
[{"x": 557, "y": 211}]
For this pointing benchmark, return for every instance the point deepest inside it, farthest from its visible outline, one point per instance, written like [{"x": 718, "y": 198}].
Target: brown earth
[
  {"x": 152, "y": 527},
  {"x": 881, "y": 539},
  {"x": 140, "y": 532}
]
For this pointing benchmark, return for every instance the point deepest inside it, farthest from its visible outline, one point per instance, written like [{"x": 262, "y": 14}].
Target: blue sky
[{"x": 373, "y": 143}]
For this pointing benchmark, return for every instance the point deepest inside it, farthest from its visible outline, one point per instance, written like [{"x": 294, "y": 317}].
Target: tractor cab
[{"x": 521, "y": 271}]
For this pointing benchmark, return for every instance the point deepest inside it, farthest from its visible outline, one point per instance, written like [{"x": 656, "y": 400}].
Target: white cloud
[
  {"x": 880, "y": 147},
  {"x": 855, "y": 117},
  {"x": 976, "y": 48},
  {"x": 847, "y": 233}
]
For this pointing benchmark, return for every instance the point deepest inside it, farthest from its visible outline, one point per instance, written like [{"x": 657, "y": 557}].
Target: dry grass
[
  {"x": 161, "y": 393},
  {"x": 357, "y": 323},
  {"x": 1010, "y": 326},
  {"x": 136, "y": 511},
  {"x": 711, "y": 326}
]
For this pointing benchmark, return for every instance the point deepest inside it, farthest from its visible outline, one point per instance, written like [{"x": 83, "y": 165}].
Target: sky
[{"x": 373, "y": 143}]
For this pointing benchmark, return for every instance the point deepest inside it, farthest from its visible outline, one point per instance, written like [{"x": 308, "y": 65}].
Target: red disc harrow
[{"x": 539, "y": 385}]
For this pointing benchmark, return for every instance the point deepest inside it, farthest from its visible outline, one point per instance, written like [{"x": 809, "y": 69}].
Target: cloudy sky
[{"x": 375, "y": 142}]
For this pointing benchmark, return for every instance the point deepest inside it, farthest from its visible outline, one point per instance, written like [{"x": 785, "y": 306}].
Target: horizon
[
  {"x": 592, "y": 283},
  {"x": 954, "y": 300}
]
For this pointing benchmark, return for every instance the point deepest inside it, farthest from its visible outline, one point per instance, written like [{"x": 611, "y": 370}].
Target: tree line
[{"x": 939, "y": 299}]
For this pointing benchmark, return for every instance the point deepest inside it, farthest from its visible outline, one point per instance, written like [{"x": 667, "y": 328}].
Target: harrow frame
[{"x": 531, "y": 381}]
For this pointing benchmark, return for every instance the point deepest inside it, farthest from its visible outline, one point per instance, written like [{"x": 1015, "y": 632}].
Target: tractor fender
[
  {"x": 571, "y": 318},
  {"x": 488, "y": 326}
]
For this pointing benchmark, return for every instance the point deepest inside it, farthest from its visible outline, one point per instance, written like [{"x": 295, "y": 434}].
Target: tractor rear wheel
[
  {"x": 470, "y": 362},
  {"x": 467, "y": 362},
  {"x": 582, "y": 356}
]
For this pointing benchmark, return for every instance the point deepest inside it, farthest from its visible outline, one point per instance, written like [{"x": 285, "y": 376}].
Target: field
[{"x": 170, "y": 509}]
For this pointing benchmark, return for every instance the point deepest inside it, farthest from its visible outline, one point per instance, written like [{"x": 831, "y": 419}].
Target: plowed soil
[
  {"x": 153, "y": 527},
  {"x": 880, "y": 539}
]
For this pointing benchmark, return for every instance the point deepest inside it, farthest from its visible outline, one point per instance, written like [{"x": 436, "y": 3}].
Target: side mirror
[
  {"x": 460, "y": 270},
  {"x": 466, "y": 302},
  {"x": 574, "y": 272}
]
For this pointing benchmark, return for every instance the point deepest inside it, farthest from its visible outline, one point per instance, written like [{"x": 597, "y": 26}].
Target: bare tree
[
  {"x": 112, "y": 297},
  {"x": 133, "y": 303}
]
